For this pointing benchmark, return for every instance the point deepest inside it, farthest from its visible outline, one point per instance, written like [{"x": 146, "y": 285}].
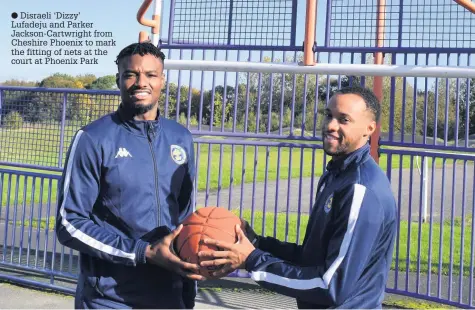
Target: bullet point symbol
[{"x": 14, "y": 15}]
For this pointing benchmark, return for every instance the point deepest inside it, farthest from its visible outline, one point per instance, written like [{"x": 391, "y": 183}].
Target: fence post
[
  {"x": 61, "y": 134},
  {"x": 378, "y": 80},
  {"x": 425, "y": 167},
  {"x": 1, "y": 100}
]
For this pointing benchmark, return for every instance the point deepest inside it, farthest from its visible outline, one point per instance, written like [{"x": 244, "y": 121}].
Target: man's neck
[{"x": 147, "y": 116}]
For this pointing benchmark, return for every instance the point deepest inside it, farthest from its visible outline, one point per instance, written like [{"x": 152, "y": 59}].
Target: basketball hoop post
[
  {"x": 467, "y": 4},
  {"x": 154, "y": 23},
  {"x": 310, "y": 25}
]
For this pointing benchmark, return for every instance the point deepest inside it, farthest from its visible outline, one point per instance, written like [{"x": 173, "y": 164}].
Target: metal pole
[
  {"x": 425, "y": 168},
  {"x": 1, "y": 99},
  {"x": 153, "y": 23},
  {"x": 310, "y": 25},
  {"x": 63, "y": 125},
  {"x": 157, "y": 18},
  {"x": 378, "y": 80},
  {"x": 320, "y": 68},
  {"x": 467, "y": 4}
]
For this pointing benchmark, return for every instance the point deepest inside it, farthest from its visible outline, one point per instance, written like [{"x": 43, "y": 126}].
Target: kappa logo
[
  {"x": 178, "y": 154},
  {"x": 122, "y": 152},
  {"x": 328, "y": 204}
]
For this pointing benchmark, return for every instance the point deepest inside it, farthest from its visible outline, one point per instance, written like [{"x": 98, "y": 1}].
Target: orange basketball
[{"x": 208, "y": 222}]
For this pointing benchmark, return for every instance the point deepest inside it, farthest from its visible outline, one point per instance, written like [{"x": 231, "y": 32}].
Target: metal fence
[{"x": 258, "y": 140}]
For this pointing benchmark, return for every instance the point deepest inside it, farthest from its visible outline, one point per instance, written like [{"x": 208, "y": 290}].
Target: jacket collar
[
  {"x": 139, "y": 127},
  {"x": 354, "y": 158}
]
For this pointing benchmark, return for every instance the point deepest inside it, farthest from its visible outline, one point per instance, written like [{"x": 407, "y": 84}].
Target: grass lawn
[
  {"x": 289, "y": 233},
  {"x": 287, "y": 229}
]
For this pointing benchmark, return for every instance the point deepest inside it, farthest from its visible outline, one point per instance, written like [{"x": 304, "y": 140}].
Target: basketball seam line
[
  {"x": 202, "y": 232},
  {"x": 184, "y": 241}
]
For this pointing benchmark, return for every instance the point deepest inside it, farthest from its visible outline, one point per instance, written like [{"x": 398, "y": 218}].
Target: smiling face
[
  {"x": 140, "y": 80},
  {"x": 347, "y": 126}
]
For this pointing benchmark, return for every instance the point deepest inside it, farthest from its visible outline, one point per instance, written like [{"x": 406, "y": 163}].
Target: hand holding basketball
[
  {"x": 160, "y": 253},
  {"x": 233, "y": 256},
  {"x": 205, "y": 223}
]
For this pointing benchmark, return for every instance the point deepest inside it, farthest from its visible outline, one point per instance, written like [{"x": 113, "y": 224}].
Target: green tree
[
  {"x": 467, "y": 106},
  {"x": 104, "y": 82},
  {"x": 60, "y": 80},
  {"x": 86, "y": 80},
  {"x": 15, "y": 82}
]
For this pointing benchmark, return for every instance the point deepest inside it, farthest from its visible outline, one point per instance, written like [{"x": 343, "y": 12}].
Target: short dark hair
[
  {"x": 372, "y": 102},
  {"x": 140, "y": 48}
]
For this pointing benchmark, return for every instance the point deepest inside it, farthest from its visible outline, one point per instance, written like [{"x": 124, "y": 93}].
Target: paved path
[{"x": 18, "y": 297}]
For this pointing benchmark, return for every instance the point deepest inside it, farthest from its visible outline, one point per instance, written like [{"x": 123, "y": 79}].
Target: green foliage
[
  {"x": 13, "y": 120},
  {"x": 86, "y": 80},
  {"x": 61, "y": 80},
  {"x": 15, "y": 82},
  {"x": 182, "y": 119},
  {"x": 104, "y": 82},
  {"x": 84, "y": 109},
  {"x": 467, "y": 106}
]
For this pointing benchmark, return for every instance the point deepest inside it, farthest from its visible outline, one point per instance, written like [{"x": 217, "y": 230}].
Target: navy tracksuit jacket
[
  {"x": 126, "y": 183},
  {"x": 345, "y": 257}
]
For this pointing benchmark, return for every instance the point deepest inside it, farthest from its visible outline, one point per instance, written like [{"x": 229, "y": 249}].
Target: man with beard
[
  {"x": 126, "y": 186},
  {"x": 347, "y": 250}
]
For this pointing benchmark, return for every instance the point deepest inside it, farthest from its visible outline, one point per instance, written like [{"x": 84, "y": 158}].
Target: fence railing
[{"x": 259, "y": 154}]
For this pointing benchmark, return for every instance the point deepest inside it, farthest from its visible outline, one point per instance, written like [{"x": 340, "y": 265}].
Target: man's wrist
[
  {"x": 252, "y": 259},
  {"x": 148, "y": 252},
  {"x": 142, "y": 252}
]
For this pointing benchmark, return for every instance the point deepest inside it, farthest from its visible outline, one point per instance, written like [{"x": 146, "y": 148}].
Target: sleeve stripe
[
  {"x": 76, "y": 233},
  {"x": 324, "y": 282}
]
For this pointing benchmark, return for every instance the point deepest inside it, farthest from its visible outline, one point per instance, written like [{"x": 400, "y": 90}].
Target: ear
[
  {"x": 370, "y": 128},
  {"x": 117, "y": 80}
]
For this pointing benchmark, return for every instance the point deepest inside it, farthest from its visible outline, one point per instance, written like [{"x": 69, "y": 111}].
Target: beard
[
  {"x": 340, "y": 150},
  {"x": 135, "y": 109},
  {"x": 142, "y": 108}
]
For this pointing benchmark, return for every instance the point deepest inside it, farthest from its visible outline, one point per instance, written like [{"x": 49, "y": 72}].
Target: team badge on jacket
[
  {"x": 178, "y": 154},
  {"x": 328, "y": 204}
]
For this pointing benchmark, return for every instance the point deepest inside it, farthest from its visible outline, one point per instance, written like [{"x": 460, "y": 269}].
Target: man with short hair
[
  {"x": 347, "y": 251},
  {"x": 126, "y": 186}
]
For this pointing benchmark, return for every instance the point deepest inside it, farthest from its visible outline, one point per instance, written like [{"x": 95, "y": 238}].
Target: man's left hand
[{"x": 232, "y": 257}]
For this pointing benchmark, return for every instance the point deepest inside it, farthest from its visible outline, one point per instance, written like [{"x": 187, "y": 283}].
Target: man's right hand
[{"x": 160, "y": 253}]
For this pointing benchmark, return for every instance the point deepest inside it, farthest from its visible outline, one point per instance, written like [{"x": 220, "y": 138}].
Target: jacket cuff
[
  {"x": 253, "y": 259},
  {"x": 140, "y": 252},
  {"x": 255, "y": 241}
]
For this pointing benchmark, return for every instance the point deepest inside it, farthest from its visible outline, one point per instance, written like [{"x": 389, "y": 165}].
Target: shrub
[{"x": 13, "y": 120}]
